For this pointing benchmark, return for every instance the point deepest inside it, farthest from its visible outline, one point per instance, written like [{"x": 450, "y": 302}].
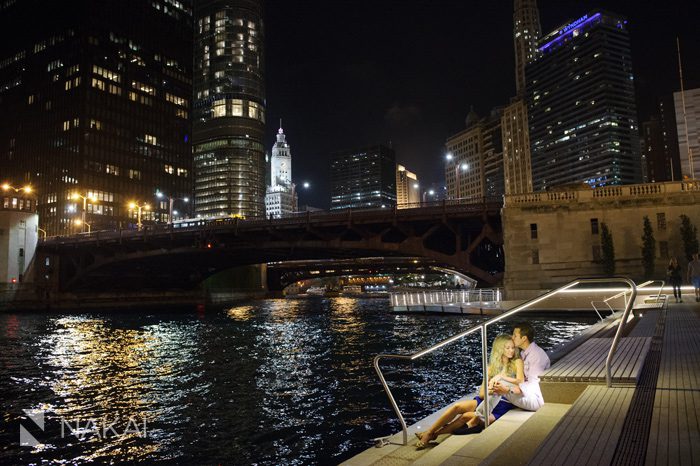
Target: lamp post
[
  {"x": 76, "y": 196},
  {"x": 171, "y": 201},
  {"x": 459, "y": 167},
  {"x": 430, "y": 192},
  {"x": 139, "y": 207},
  {"x": 27, "y": 189},
  {"x": 80, "y": 222}
]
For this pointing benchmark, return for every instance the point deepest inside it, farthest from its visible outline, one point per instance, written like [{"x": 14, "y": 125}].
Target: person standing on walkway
[
  {"x": 694, "y": 275},
  {"x": 674, "y": 277},
  {"x": 527, "y": 395}
]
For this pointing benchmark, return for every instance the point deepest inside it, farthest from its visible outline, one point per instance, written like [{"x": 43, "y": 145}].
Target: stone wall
[{"x": 550, "y": 238}]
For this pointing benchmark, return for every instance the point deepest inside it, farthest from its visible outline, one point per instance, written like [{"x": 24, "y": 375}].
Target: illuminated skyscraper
[
  {"x": 581, "y": 105},
  {"x": 526, "y": 33},
  {"x": 229, "y": 108},
  {"x": 363, "y": 178},
  {"x": 95, "y": 100},
  {"x": 687, "y": 107},
  {"x": 517, "y": 166},
  {"x": 281, "y": 197},
  {"x": 407, "y": 188}
]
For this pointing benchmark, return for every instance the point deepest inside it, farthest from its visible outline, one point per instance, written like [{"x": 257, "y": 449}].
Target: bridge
[{"x": 455, "y": 235}]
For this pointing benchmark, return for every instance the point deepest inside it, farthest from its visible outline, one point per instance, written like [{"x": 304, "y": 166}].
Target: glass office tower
[
  {"x": 363, "y": 178},
  {"x": 581, "y": 105},
  {"x": 95, "y": 102},
  {"x": 229, "y": 108}
]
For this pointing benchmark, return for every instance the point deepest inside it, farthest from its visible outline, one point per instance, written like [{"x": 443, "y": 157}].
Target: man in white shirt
[{"x": 527, "y": 395}]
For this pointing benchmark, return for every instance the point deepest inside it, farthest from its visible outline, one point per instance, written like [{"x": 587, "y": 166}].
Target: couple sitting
[{"x": 514, "y": 370}]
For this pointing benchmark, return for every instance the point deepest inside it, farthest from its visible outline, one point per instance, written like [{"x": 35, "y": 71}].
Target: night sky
[{"x": 342, "y": 74}]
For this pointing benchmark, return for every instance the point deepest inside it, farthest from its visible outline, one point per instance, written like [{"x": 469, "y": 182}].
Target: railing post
[{"x": 485, "y": 369}]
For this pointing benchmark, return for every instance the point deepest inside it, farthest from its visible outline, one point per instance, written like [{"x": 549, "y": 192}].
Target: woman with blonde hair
[
  {"x": 505, "y": 366},
  {"x": 674, "y": 277}
]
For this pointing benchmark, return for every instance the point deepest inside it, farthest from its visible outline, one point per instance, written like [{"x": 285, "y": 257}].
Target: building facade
[
  {"x": 407, "y": 188},
  {"x": 581, "y": 105},
  {"x": 19, "y": 235},
  {"x": 95, "y": 102},
  {"x": 526, "y": 33},
  {"x": 474, "y": 168},
  {"x": 535, "y": 223},
  {"x": 281, "y": 197},
  {"x": 517, "y": 166},
  {"x": 687, "y": 105},
  {"x": 229, "y": 108},
  {"x": 363, "y": 178}
]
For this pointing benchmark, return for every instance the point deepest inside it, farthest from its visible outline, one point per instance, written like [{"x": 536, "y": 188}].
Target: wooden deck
[
  {"x": 588, "y": 433},
  {"x": 587, "y": 363},
  {"x": 674, "y": 437}
]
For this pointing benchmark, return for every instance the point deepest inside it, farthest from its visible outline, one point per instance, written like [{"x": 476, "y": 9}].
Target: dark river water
[{"x": 267, "y": 382}]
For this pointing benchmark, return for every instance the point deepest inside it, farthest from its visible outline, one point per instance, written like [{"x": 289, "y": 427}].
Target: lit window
[
  {"x": 169, "y": 169},
  {"x": 97, "y": 84},
  {"x": 150, "y": 139}
]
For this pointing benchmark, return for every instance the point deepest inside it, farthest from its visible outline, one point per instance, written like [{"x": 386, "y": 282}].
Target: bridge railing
[
  {"x": 467, "y": 204},
  {"x": 437, "y": 297}
]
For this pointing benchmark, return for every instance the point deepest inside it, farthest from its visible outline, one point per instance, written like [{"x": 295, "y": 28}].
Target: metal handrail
[
  {"x": 483, "y": 327},
  {"x": 606, "y": 301}
]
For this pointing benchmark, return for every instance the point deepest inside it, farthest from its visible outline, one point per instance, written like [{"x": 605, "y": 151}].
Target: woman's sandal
[{"x": 420, "y": 445}]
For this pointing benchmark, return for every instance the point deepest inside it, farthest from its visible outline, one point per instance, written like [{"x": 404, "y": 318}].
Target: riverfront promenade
[{"x": 650, "y": 415}]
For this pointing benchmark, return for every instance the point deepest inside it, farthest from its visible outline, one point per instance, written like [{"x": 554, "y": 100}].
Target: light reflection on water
[{"x": 267, "y": 382}]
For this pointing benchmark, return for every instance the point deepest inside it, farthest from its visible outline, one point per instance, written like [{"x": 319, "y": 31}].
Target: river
[{"x": 273, "y": 382}]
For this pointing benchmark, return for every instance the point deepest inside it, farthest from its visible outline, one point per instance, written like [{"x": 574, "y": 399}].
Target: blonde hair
[{"x": 496, "y": 361}]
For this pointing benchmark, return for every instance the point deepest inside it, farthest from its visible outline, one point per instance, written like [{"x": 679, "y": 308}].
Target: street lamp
[
  {"x": 80, "y": 222},
  {"x": 75, "y": 197},
  {"x": 134, "y": 205},
  {"x": 171, "y": 200},
  {"x": 27, "y": 189},
  {"x": 429, "y": 192},
  {"x": 459, "y": 167}
]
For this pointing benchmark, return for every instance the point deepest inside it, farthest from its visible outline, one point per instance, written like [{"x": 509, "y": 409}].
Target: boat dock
[{"x": 649, "y": 413}]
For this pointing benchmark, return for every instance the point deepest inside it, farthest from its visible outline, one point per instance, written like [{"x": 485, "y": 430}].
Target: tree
[
  {"x": 689, "y": 236},
  {"x": 607, "y": 250},
  {"x": 648, "y": 249}
]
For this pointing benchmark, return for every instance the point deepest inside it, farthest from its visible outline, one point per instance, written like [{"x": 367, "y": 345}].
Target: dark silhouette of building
[
  {"x": 94, "y": 102},
  {"x": 363, "y": 178},
  {"x": 660, "y": 143},
  {"x": 581, "y": 105},
  {"x": 229, "y": 108}
]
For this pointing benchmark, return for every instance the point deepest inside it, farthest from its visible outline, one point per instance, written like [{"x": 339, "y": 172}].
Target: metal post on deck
[{"x": 485, "y": 367}]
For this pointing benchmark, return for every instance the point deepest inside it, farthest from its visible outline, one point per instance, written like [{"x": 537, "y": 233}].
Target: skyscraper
[
  {"x": 363, "y": 178},
  {"x": 281, "y": 197},
  {"x": 581, "y": 105},
  {"x": 407, "y": 188},
  {"x": 526, "y": 33},
  {"x": 94, "y": 108},
  {"x": 687, "y": 105},
  {"x": 517, "y": 165},
  {"x": 229, "y": 108},
  {"x": 474, "y": 167}
]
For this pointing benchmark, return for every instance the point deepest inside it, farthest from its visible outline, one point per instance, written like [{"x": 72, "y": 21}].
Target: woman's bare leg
[{"x": 446, "y": 418}]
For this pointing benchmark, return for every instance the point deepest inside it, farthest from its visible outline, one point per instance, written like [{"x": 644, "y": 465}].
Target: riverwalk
[{"x": 650, "y": 415}]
